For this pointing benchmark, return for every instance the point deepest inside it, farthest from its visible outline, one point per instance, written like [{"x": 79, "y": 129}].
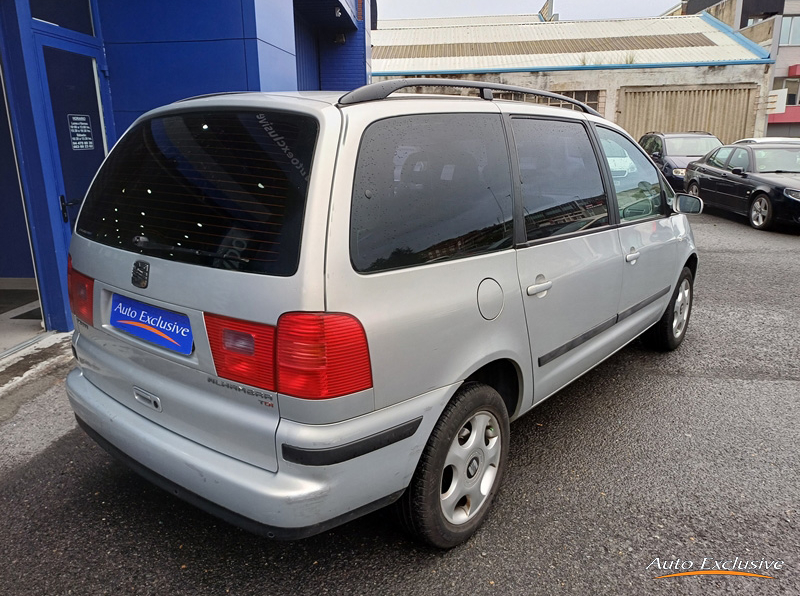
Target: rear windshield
[
  {"x": 222, "y": 189},
  {"x": 691, "y": 146}
]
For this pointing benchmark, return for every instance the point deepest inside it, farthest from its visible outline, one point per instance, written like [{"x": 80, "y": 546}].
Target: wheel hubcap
[
  {"x": 470, "y": 468},
  {"x": 683, "y": 303},
  {"x": 758, "y": 213}
]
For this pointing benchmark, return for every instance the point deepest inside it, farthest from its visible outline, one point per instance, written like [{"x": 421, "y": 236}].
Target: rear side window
[
  {"x": 219, "y": 189},
  {"x": 428, "y": 188}
]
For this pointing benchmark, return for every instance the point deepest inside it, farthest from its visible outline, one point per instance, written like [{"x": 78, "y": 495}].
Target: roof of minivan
[{"x": 329, "y": 97}]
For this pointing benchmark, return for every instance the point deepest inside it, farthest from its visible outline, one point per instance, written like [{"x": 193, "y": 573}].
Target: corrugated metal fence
[{"x": 728, "y": 111}]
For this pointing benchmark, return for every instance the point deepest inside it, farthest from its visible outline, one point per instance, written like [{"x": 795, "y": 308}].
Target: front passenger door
[
  {"x": 734, "y": 189},
  {"x": 713, "y": 172},
  {"x": 647, "y": 238}
]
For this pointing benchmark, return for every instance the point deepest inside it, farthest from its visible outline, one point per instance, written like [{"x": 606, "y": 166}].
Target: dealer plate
[{"x": 164, "y": 328}]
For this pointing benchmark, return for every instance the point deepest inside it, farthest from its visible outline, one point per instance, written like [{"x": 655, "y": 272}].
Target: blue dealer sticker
[{"x": 161, "y": 327}]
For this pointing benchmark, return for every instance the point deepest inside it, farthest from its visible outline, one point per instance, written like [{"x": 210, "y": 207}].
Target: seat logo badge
[{"x": 141, "y": 274}]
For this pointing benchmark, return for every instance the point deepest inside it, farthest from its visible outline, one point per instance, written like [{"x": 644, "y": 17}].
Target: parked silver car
[{"x": 292, "y": 309}]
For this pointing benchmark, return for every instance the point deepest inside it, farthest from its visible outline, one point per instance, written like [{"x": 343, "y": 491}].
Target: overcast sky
[{"x": 568, "y": 10}]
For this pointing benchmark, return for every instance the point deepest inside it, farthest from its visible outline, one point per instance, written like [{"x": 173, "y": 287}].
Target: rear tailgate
[{"x": 195, "y": 215}]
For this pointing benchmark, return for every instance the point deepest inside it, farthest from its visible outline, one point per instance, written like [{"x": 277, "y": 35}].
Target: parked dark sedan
[
  {"x": 672, "y": 152},
  {"x": 761, "y": 181}
]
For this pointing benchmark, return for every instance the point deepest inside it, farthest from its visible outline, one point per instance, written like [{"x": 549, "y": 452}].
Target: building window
[
  {"x": 593, "y": 99},
  {"x": 790, "y": 31},
  {"x": 793, "y": 86}
]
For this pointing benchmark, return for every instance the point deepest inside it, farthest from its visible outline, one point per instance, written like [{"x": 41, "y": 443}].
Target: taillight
[
  {"x": 321, "y": 355},
  {"x": 242, "y": 351},
  {"x": 81, "y": 294},
  {"x": 309, "y": 355}
]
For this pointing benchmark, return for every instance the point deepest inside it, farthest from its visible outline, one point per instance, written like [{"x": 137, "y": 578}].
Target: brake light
[
  {"x": 308, "y": 355},
  {"x": 242, "y": 351},
  {"x": 321, "y": 355},
  {"x": 81, "y": 294}
]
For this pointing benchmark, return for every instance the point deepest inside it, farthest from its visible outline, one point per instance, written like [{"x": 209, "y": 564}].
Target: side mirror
[
  {"x": 656, "y": 155},
  {"x": 738, "y": 171},
  {"x": 687, "y": 204}
]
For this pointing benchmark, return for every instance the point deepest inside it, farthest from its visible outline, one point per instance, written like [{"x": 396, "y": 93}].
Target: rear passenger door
[
  {"x": 646, "y": 235},
  {"x": 570, "y": 262}
]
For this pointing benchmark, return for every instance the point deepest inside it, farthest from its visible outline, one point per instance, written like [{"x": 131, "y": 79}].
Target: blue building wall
[
  {"x": 159, "y": 52},
  {"x": 345, "y": 66},
  {"x": 150, "y": 53}
]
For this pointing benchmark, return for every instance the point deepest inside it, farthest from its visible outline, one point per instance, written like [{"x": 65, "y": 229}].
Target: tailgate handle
[{"x": 148, "y": 399}]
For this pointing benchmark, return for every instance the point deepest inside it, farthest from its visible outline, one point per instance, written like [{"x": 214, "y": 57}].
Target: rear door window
[
  {"x": 562, "y": 190},
  {"x": 430, "y": 187},
  {"x": 222, "y": 189}
]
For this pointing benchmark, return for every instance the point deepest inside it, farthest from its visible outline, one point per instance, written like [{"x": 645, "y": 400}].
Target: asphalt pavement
[{"x": 648, "y": 459}]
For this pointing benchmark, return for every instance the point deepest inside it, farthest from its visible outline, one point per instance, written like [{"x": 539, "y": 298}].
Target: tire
[
  {"x": 693, "y": 189},
  {"x": 460, "y": 470},
  {"x": 761, "y": 213},
  {"x": 668, "y": 333}
]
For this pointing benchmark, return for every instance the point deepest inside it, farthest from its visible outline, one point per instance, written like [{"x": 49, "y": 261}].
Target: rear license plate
[{"x": 164, "y": 328}]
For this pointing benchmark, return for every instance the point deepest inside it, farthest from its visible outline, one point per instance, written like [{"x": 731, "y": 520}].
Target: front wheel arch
[{"x": 761, "y": 213}]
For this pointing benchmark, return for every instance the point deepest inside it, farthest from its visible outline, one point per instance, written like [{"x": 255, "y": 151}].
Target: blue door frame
[{"x": 23, "y": 41}]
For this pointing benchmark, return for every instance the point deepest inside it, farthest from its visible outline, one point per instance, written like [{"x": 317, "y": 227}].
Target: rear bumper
[{"x": 296, "y": 501}]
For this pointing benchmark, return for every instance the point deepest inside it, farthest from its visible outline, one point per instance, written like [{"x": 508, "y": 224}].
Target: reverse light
[
  {"x": 81, "y": 294},
  {"x": 242, "y": 351}
]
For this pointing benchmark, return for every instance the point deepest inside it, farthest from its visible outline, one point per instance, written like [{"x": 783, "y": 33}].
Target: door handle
[
  {"x": 632, "y": 256},
  {"x": 64, "y": 204},
  {"x": 539, "y": 288}
]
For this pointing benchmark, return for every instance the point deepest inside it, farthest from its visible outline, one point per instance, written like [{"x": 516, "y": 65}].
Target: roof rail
[
  {"x": 383, "y": 89},
  {"x": 700, "y": 132},
  {"x": 654, "y": 132}
]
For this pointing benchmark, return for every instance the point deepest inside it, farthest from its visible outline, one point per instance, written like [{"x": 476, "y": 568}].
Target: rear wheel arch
[{"x": 505, "y": 377}]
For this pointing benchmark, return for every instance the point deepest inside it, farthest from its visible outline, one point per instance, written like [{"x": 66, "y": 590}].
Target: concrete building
[
  {"x": 76, "y": 73},
  {"x": 775, "y": 25},
  {"x": 664, "y": 73}
]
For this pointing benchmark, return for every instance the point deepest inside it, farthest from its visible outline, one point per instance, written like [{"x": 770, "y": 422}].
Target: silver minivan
[{"x": 292, "y": 309}]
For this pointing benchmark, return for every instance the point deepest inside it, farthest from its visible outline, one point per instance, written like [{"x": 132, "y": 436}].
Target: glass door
[{"x": 77, "y": 124}]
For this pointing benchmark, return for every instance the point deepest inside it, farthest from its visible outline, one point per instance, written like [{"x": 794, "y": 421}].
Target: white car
[{"x": 767, "y": 140}]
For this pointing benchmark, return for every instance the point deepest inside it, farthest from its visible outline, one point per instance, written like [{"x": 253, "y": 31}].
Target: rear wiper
[{"x": 144, "y": 242}]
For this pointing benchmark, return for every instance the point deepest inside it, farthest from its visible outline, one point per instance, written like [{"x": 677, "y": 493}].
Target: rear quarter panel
[{"x": 422, "y": 323}]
